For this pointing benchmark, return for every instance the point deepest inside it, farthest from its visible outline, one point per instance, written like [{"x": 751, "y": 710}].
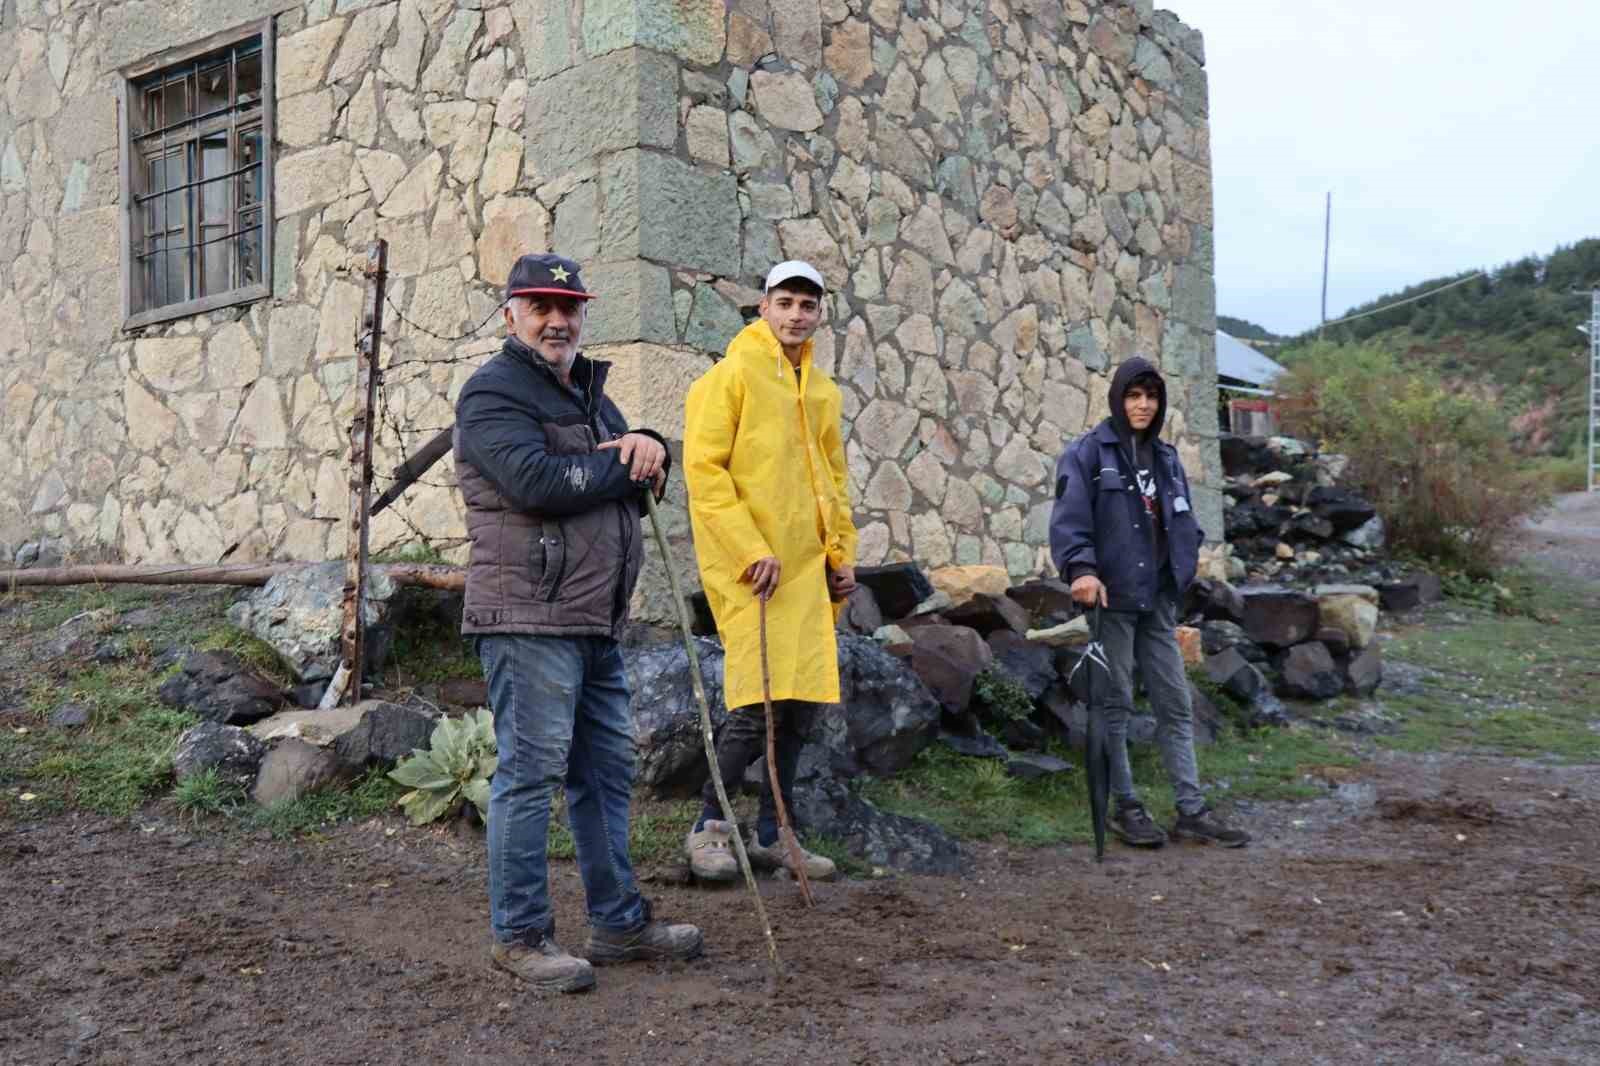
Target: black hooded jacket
[{"x": 1109, "y": 521}]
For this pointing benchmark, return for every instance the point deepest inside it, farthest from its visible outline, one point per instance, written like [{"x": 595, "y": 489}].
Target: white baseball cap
[{"x": 794, "y": 268}]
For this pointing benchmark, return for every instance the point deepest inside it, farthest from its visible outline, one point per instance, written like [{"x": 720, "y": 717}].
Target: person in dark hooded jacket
[{"x": 1123, "y": 532}]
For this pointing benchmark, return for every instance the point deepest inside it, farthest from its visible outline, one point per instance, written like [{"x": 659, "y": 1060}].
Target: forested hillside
[{"x": 1510, "y": 334}]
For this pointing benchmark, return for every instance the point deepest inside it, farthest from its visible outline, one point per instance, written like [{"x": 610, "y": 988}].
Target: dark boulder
[
  {"x": 1336, "y": 640},
  {"x": 386, "y": 734},
  {"x": 977, "y": 744},
  {"x": 1213, "y": 600},
  {"x": 234, "y": 753},
  {"x": 70, "y": 716},
  {"x": 217, "y": 686},
  {"x": 828, "y": 807},
  {"x": 1031, "y": 765},
  {"x": 1308, "y": 525},
  {"x": 1308, "y": 672},
  {"x": 1047, "y": 601},
  {"x": 1208, "y": 720},
  {"x": 1022, "y": 735},
  {"x": 308, "y": 696},
  {"x": 887, "y": 716},
  {"x": 948, "y": 659},
  {"x": 1033, "y": 666},
  {"x": 861, "y": 613},
  {"x": 1278, "y": 617},
  {"x": 666, "y": 717},
  {"x": 1241, "y": 680},
  {"x": 1219, "y": 636},
  {"x": 702, "y": 623},
  {"x": 898, "y": 587},
  {"x": 1414, "y": 590},
  {"x": 988, "y": 614},
  {"x": 1340, "y": 508},
  {"x": 1364, "y": 673},
  {"x": 1245, "y": 455}
]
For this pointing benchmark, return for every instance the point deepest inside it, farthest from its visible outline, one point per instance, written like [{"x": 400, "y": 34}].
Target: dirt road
[
  {"x": 1567, "y": 535},
  {"x": 1437, "y": 910}
]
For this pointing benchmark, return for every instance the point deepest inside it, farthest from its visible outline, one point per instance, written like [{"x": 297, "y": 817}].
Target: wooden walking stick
[
  {"x": 791, "y": 843},
  {"x": 705, "y": 731}
]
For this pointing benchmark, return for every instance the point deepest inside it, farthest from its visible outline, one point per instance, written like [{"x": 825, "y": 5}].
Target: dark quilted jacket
[{"x": 554, "y": 524}]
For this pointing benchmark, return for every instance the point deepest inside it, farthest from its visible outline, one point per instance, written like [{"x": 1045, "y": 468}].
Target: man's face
[
  {"x": 1140, "y": 403},
  {"x": 550, "y": 325},
  {"x": 792, "y": 315}
]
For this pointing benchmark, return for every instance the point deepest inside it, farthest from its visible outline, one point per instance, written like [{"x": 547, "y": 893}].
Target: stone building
[{"x": 1007, "y": 198}]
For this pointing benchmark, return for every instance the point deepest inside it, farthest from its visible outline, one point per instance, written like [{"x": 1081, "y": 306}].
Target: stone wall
[{"x": 1006, "y": 199}]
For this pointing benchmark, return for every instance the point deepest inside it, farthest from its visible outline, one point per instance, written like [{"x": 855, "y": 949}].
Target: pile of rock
[
  {"x": 1266, "y": 641},
  {"x": 1287, "y": 516}
]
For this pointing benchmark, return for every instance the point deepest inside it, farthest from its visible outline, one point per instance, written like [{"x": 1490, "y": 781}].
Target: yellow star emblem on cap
[{"x": 560, "y": 273}]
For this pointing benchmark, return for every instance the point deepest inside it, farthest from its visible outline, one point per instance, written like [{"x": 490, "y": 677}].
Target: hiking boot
[
  {"x": 650, "y": 940},
  {"x": 1204, "y": 827},
  {"x": 1133, "y": 826},
  {"x": 710, "y": 851},
  {"x": 774, "y": 855},
  {"x": 542, "y": 963}
]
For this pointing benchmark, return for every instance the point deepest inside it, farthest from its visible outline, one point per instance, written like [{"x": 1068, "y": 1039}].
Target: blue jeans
[
  {"x": 1148, "y": 641},
  {"x": 560, "y": 717}
]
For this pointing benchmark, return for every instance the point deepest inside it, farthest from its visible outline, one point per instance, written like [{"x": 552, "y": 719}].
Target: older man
[{"x": 553, "y": 481}]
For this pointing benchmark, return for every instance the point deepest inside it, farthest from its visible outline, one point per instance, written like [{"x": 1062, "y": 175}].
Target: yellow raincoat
[{"x": 766, "y": 473}]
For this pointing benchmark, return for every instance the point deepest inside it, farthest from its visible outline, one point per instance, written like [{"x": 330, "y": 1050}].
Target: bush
[
  {"x": 1437, "y": 465},
  {"x": 460, "y": 760}
]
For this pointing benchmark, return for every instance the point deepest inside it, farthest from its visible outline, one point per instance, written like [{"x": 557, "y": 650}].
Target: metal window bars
[{"x": 200, "y": 143}]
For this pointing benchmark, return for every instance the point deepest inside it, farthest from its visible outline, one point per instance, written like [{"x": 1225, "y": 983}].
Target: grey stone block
[
  {"x": 565, "y": 127},
  {"x": 577, "y": 234},
  {"x": 661, "y": 208},
  {"x": 635, "y": 304},
  {"x": 1194, "y": 298},
  {"x": 713, "y": 320}
]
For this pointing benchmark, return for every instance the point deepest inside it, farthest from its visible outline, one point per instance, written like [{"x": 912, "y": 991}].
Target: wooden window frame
[{"x": 131, "y": 226}]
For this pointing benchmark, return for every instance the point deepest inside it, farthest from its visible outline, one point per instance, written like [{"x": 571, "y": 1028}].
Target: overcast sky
[{"x": 1454, "y": 134}]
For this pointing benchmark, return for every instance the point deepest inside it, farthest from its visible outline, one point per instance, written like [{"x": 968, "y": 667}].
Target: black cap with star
[{"x": 546, "y": 274}]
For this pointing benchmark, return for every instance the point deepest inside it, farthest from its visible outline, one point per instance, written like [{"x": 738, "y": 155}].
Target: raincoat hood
[{"x": 1130, "y": 369}]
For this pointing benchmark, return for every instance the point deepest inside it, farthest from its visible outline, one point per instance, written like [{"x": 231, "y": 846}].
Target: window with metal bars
[{"x": 197, "y": 180}]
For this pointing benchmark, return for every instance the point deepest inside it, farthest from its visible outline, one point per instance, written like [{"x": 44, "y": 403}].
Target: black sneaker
[
  {"x": 1204, "y": 827},
  {"x": 1133, "y": 826}
]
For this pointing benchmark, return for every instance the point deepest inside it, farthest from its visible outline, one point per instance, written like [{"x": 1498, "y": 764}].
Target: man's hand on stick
[
  {"x": 763, "y": 576},
  {"x": 1087, "y": 591},
  {"x": 642, "y": 455}
]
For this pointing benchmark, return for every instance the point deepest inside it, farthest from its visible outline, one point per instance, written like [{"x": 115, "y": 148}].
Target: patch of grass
[
  {"x": 412, "y": 553},
  {"x": 206, "y": 794},
  {"x": 828, "y": 847},
  {"x": 1521, "y": 683},
  {"x": 976, "y": 799},
  {"x": 254, "y": 652},
  {"x": 428, "y": 648},
  {"x": 655, "y": 830},
  {"x": 1000, "y": 698},
  {"x": 371, "y": 795},
  {"x": 47, "y": 608}
]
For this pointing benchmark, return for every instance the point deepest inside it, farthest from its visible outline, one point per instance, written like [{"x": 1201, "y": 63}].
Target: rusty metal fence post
[{"x": 346, "y": 683}]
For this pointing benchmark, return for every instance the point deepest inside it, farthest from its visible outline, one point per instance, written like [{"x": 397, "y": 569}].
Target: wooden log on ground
[{"x": 413, "y": 575}]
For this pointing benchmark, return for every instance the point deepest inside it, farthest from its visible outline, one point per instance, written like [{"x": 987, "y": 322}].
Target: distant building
[{"x": 1243, "y": 377}]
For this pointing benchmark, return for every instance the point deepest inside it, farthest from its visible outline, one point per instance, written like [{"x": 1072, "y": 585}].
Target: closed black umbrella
[{"x": 1089, "y": 677}]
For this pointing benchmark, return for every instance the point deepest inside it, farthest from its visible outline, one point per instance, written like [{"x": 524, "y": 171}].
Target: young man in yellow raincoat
[{"x": 769, "y": 500}]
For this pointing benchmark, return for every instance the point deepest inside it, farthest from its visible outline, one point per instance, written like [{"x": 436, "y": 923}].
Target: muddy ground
[{"x": 1428, "y": 909}]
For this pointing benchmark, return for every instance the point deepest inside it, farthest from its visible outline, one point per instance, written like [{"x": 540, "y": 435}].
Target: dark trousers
[{"x": 741, "y": 741}]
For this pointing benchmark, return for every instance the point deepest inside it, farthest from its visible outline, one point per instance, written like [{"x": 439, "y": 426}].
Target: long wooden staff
[
  {"x": 705, "y": 732},
  {"x": 791, "y": 843}
]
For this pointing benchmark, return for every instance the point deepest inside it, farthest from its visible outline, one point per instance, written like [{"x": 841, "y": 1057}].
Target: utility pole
[
  {"x": 1594, "y": 391},
  {"x": 1327, "y": 239}
]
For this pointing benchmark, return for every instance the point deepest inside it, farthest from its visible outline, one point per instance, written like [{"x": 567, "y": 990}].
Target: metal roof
[{"x": 1239, "y": 361}]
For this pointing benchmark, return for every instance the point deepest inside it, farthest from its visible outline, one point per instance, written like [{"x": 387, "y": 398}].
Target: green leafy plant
[
  {"x": 1003, "y": 698},
  {"x": 460, "y": 759}
]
